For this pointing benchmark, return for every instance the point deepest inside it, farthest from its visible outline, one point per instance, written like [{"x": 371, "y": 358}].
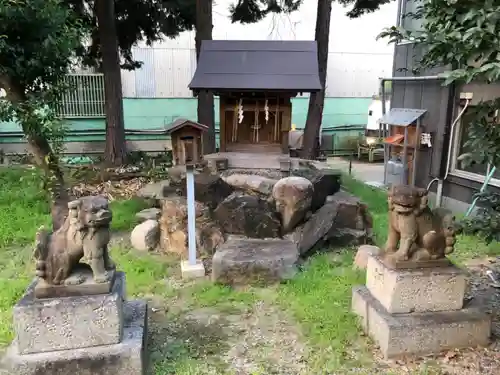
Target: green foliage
[
  {"x": 37, "y": 44},
  {"x": 486, "y": 222},
  {"x": 251, "y": 11},
  {"x": 463, "y": 35}
]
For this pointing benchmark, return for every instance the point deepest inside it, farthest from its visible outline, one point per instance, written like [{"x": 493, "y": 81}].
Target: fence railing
[{"x": 84, "y": 97}]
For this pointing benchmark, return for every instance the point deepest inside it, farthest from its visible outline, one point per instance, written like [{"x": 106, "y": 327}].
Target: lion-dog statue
[
  {"x": 84, "y": 235},
  {"x": 421, "y": 233}
]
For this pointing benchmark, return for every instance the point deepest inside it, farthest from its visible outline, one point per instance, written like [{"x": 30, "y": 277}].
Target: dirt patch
[{"x": 258, "y": 339}]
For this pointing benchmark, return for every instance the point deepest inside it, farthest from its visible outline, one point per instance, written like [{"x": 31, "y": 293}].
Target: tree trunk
[
  {"x": 115, "y": 150},
  {"x": 317, "y": 100},
  {"x": 44, "y": 157},
  {"x": 46, "y": 160},
  {"x": 206, "y": 113}
]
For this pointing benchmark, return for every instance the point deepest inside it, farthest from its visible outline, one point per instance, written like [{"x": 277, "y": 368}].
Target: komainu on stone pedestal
[
  {"x": 416, "y": 233},
  {"x": 83, "y": 237},
  {"x": 74, "y": 318}
]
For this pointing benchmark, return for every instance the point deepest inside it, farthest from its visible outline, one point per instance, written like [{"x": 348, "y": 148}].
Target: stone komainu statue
[
  {"x": 84, "y": 235},
  {"x": 421, "y": 233}
]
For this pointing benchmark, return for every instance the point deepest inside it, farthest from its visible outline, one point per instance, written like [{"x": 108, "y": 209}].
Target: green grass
[
  {"x": 320, "y": 300},
  {"x": 317, "y": 300}
]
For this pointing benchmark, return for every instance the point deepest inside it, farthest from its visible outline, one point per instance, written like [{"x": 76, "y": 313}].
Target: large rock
[
  {"x": 326, "y": 181},
  {"x": 154, "y": 192},
  {"x": 259, "y": 184},
  {"x": 243, "y": 261},
  {"x": 248, "y": 215},
  {"x": 146, "y": 235},
  {"x": 173, "y": 228},
  {"x": 209, "y": 189},
  {"x": 353, "y": 223},
  {"x": 292, "y": 197},
  {"x": 342, "y": 221},
  {"x": 148, "y": 214},
  {"x": 307, "y": 235}
]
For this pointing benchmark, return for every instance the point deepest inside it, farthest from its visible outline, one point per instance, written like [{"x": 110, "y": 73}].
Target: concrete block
[
  {"x": 195, "y": 271},
  {"x": 416, "y": 290},
  {"x": 420, "y": 333},
  {"x": 125, "y": 358},
  {"x": 48, "y": 324}
]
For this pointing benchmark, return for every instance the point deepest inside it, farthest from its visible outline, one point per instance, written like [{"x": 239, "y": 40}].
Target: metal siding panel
[
  {"x": 435, "y": 100},
  {"x": 182, "y": 59},
  {"x": 144, "y": 78},
  {"x": 128, "y": 83},
  {"x": 162, "y": 72},
  {"x": 398, "y": 88}
]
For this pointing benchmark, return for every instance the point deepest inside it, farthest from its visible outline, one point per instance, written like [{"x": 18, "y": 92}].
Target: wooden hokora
[
  {"x": 417, "y": 235},
  {"x": 187, "y": 141}
]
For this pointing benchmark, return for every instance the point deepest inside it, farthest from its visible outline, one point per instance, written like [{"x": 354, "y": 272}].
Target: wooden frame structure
[
  {"x": 187, "y": 141},
  {"x": 255, "y": 81},
  {"x": 250, "y": 123}
]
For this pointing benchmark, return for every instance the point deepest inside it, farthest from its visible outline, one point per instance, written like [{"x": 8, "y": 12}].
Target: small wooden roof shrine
[
  {"x": 255, "y": 81},
  {"x": 257, "y": 66},
  {"x": 181, "y": 123}
]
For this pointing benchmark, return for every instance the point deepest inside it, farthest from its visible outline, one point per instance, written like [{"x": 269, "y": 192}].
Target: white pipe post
[{"x": 191, "y": 212}]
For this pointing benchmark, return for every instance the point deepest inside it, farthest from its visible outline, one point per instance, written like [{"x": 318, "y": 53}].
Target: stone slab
[
  {"x": 410, "y": 264},
  {"x": 244, "y": 261},
  {"x": 416, "y": 290},
  {"x": 128, "y": 357},
  {"x": 79, "y": 283},
  {"x": 417, "y": 334},
  {"x": 44, "y": 325},
  {"x": 190, "y": 271}
]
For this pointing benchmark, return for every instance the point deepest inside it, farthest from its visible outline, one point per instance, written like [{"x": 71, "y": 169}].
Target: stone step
[{"x": 419, "y": 334}]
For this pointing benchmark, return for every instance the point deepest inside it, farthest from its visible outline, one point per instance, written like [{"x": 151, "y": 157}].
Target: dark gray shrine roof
[{"x": 264, "y": 65}]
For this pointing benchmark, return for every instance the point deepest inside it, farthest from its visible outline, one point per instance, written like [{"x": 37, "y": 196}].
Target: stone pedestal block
[
  {"x": 125, "y": 358},
  {"x": 419, "y": 333},
  {"x": 245, "y": 261},
  {"x": 416, "y": 290},
  {"x": 52, "y": 324},
  {"x": 218, "y": 164}
]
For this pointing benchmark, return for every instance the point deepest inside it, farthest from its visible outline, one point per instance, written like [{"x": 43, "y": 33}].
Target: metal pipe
[
  {"x": 191, "y": 215},
  {"x": 482, "y": 190},
  {"x": 439, "y": 192}
]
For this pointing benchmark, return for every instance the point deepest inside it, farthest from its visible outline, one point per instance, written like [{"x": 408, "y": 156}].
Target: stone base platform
[
  {"x": 54, "y": 324},
  {"x": 125, "y": 358},
  {"x": 433, "y": 288},
  {"x": 245, "y": 261},
  {"x": 251, "y": 160},
  {"x": 424, "y": 333}
]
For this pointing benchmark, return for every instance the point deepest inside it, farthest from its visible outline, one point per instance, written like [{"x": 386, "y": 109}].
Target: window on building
[
  {"x": 407, "y": 12},
  {"x": 84, "y": 97},
  {"x": 474, "y": 171}
]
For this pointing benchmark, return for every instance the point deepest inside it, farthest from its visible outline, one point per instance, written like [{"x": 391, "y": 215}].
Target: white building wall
[{"x": 356, "y": 58}]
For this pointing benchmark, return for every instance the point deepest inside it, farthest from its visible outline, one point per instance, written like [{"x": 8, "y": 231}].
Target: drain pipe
[
  {"x": 440, "y": 181},
  {"x": 383, "y": 127}
]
